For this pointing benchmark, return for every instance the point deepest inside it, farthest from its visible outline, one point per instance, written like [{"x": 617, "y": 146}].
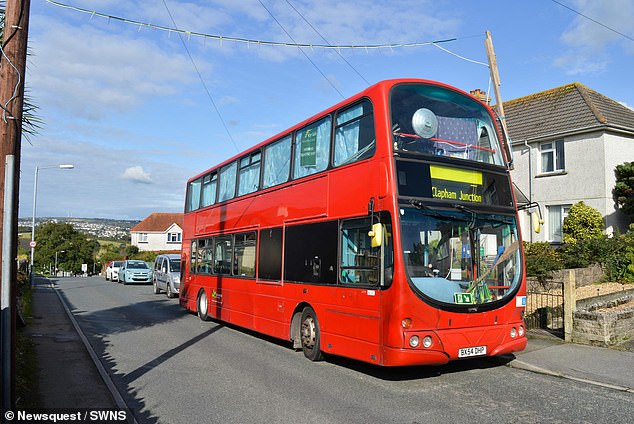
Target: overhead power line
[
  {"x": 223, "y": 38},
  {"x": 302, "y": 50},
  {"x": 211, "y": 99},
  {"x": 593, "y": 20},
  {"x": 327, "y": 42}
]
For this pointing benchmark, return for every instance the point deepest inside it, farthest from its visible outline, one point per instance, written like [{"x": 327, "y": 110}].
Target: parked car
[
  {"x": 133, "y": 271},
  {"x": 167, "y": 274},
  {"x": 112, "y": 270}
]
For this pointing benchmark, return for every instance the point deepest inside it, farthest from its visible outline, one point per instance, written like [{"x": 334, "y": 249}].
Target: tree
[
  {"x": 623, "y": 191},
  {"x": 582, "y": 223},
  {"x": 71, "y": 247}
]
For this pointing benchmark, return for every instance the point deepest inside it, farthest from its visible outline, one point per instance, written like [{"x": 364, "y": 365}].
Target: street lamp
[
  {"x": 32, "y": 244},
  {"x": 61, "y": 251}
]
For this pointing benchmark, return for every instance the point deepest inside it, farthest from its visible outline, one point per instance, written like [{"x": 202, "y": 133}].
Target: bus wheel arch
[
  {"x": 202, "y": 305},
  {"x": 310, "y": 335},
  {"x": 296, "y": 325}
]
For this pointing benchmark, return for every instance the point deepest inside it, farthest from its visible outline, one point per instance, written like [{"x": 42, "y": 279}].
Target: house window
[
  {"x": 553, "y": 156},
  {"x": 556, "y": 216},
  {"x": 173, "y": 237},
  {"x": 142, "y": 237}
]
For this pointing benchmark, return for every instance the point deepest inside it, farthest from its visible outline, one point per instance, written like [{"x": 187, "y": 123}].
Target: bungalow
[{"x": 158, "y": 232}]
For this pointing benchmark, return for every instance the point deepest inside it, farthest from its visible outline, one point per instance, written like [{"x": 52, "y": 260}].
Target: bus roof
[{"x": 381, "y": 86}]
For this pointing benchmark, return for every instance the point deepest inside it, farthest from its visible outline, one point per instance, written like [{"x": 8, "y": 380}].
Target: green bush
[
  {"x": 618, "y": 263},
  {"x": 541, "y": 260},
  {"x": 582, "y": 223},
  {"x": 584, "y": 253},
  {"x": 623, "y": 191},
  {"x": 614, "y": 254}
]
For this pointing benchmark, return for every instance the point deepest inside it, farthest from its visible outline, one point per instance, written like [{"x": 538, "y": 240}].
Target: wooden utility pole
[
  {"x": 495, "y": 77},
  {"x": 12, "y": 74}
]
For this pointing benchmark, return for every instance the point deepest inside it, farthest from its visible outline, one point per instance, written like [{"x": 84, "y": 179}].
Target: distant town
[{"x": 100, "y": 228}]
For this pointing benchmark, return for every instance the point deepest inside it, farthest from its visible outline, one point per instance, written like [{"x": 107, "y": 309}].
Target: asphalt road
[{"x": 170, "y": 367}]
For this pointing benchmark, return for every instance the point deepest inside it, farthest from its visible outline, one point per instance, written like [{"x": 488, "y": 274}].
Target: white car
[{"x": 112, "y": 270}]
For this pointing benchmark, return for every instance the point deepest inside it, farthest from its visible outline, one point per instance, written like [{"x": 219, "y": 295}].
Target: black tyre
[
  {"x": 168, "y": 291},
  {"x": 310, "y": 335},
  {"x": 202, "y": 306},
  {"x": 155, "y": 287}
]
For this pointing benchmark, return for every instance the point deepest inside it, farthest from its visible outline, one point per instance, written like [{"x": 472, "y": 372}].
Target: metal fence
[{"x": 545, "y": 307}]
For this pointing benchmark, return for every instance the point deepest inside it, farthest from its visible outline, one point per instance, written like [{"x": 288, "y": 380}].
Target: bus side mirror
[
  {"x": 376, "y": 235},
  {"x": 537, "y": 222}
]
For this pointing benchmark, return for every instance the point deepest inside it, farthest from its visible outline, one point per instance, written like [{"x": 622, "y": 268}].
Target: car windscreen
[{"x": 175, "y": 265}]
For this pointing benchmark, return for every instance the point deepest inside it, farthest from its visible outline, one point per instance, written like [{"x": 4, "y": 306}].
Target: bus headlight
[
  {"x": 427, "y": 342},
  {"x": 513, "y": 332},
  {"x": 414, "y": 341},
  {"x": 521, "y": 331}
]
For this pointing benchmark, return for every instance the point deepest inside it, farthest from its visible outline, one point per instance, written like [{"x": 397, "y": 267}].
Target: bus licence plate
[{"x": 466, "y": 352}]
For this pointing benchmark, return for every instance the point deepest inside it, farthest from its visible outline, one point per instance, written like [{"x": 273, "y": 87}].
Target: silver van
[{"x": 167, "y": 274}]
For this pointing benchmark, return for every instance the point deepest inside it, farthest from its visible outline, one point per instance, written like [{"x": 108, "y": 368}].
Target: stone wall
[
  {"x": 583, "y": 276},
  {"x": 604, "y": 328}
]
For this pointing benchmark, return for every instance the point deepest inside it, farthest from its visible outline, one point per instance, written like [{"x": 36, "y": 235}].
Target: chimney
[{"x": 480, "y": 95}]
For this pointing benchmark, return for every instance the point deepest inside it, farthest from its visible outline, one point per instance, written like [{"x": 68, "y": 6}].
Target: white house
[
  {"x": 566, "y": 143},
  {"x": 159, "y": 232}
]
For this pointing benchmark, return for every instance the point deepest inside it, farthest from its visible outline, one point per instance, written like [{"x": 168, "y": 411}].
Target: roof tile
[
  {"x": 158, "y": 222},
  {"x": 563, "y": 109}
]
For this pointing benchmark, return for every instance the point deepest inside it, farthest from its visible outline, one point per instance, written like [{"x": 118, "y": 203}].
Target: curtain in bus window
[
  {"x": 277, "y": 163},
  {"x": 249, "y": 174},
  {"x": 227, "y": 189},
  {"x": 193, "y": 258},
  {"x": 244, "y": 255},
  {"x": 222, "y": 255},
  {"x": 209, "y": 190},
  {"x": 359, "y": 260},
  {"x": 193, "y": 196},
  {"x": 456, "y": 136},
  {"x": 312, "y": 149},
  {"x": 206, "y": 255},
  {"x": 354, "y": 136}
]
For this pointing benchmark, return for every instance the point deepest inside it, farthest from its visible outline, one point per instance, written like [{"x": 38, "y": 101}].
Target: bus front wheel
[
  {"x": 310, "y": 335},
  {"x": 202, "y": 306}
]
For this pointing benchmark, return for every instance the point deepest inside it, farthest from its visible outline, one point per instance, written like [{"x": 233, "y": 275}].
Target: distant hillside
[{"x": 101, "y": 228}]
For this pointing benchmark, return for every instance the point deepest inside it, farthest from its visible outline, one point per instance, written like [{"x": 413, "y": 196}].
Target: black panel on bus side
[
  {"x": 270, "y": 254},
  {"x": 311, "y": 253}
]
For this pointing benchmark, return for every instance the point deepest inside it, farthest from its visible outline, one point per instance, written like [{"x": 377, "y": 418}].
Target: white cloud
[
  {"x": 137, "y": 174},
  {"x": 574, "y": 63},
  {"x": 89, "y": 72},
  {"x": 589, "y": 35},
  {"x": 588, "y": 42}
]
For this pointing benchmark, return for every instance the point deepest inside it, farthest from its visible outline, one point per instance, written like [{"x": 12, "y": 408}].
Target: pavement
[{"x": 70, "y": 374}]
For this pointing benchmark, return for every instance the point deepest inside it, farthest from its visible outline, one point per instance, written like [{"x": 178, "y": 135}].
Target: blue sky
[{"x": 127, "y": 107}]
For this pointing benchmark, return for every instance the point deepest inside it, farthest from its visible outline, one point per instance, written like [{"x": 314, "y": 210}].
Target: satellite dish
[{"x": 425, "y": 123}]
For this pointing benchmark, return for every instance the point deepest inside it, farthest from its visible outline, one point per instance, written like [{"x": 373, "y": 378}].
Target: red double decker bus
[{"x": 383, "y": 229}]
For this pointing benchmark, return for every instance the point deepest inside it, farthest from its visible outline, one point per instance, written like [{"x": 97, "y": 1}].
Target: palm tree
[{"x": 31, "y": 123}]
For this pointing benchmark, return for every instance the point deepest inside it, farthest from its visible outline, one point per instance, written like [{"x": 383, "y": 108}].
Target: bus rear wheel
[
  {"x": 310, "y": 335},
  {"x": 202, "y": 306}
]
